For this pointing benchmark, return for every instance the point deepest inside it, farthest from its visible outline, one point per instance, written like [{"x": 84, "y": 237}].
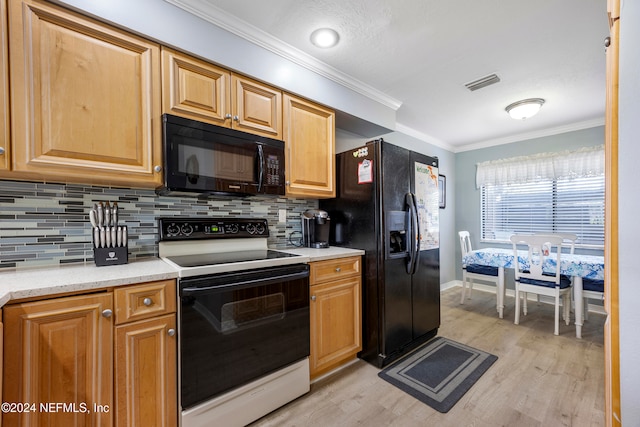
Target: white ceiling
[{"x": 417, "y": 56}]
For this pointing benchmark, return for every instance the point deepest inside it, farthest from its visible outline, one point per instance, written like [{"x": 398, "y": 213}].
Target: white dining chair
[
  {"x": 568, "y": 243},
  {"x": 568, "y": 240},
  {"x": 591, "y": 289},
  {"x": 473, "y": 272},
  {"x": 530, "y": 277}
]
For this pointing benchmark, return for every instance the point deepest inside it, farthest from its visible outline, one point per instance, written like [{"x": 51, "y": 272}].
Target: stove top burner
[{"x": 198, "y": 260}]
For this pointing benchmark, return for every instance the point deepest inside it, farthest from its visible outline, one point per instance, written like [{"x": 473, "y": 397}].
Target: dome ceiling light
[
  {"x": 325, "y": 37},
  {"x": 524, "y": 109}
]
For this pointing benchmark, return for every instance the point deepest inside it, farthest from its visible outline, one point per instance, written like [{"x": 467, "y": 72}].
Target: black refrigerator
[{"x": 387, "y": 205}]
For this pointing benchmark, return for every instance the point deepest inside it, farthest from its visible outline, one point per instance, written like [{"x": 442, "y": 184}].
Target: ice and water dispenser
[{"x": 396, "y": 240}]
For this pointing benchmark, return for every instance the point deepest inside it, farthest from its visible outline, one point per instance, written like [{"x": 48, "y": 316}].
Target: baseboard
[{"x": 591, "y": 308}]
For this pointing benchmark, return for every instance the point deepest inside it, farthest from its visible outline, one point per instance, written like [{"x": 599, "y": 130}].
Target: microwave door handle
[{"x": 261, "y": 169}]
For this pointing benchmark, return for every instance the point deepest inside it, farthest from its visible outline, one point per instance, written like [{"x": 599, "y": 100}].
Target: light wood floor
[{"x": 538, "y": 380}]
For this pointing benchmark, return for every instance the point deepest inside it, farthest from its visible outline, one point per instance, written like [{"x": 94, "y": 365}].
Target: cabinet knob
[
  {"x": 227, "y": 116},
  {"x": 338, "y": 269},
  {"x": 236, "y": 118},
  {"x": 313, "y": 297},
  {"x": 607, "y": 42},
  {"x": 147, "y": 301},
  {"x": 1, "y": 151},
  {"x": 107, "y": 313},
  {"x": 171, "y": 332},
  {"x": 157, "y": 168}
]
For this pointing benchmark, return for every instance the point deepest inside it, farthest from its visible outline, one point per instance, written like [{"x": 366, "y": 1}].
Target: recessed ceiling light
[
  {"x": 325, "y": 37},
  {"x": 524, "y": 109}
]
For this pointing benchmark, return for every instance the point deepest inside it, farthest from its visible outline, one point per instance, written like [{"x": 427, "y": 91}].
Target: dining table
[{"x": 578, "y": 266}]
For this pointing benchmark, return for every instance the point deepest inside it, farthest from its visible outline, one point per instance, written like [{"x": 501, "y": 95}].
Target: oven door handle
[{"x": 188, "y": 291}]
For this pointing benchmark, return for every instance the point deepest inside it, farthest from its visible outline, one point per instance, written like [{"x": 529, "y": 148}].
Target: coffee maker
[{"x": 315, "y": 228}]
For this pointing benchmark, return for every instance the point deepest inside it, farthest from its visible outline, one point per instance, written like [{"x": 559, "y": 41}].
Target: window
[{"x": 564, "y": 205}]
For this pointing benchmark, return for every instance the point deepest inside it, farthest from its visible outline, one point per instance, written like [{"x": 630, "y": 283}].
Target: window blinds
[{"x": 563, "y": 201}]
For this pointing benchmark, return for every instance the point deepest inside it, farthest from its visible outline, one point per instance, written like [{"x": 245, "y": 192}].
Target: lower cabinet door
[
  {"x": 335, "y": 324},
  {"x": 146, "y": 373},
  {"x": 58, "y": 360}
]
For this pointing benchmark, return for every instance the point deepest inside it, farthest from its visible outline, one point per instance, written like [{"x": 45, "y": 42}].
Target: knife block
[{"x": 111, "y": 256}]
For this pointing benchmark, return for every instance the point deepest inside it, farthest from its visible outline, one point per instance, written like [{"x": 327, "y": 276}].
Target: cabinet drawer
[
  {"x": 145, "y": 300},
  {"x": 322, "y": 271}
]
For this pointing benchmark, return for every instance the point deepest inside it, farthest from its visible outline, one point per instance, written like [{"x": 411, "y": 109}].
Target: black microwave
[{"x": 205, "y": 159}]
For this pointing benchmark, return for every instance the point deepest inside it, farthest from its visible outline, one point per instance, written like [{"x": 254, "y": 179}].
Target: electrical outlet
[{"x": 282, "y": 215}]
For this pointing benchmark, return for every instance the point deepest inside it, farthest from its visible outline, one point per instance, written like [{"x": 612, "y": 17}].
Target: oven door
[{"x": 237, "y": 327}]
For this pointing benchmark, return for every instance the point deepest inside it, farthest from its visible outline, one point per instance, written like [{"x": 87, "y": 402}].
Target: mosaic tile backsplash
[{"x": 45, "y": 224}]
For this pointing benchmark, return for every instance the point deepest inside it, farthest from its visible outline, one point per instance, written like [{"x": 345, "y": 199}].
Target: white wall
[{"x": 629, "y": 199}]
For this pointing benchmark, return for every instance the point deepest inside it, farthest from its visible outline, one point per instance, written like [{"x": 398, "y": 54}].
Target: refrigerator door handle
[{"x": 414, "y": 237}]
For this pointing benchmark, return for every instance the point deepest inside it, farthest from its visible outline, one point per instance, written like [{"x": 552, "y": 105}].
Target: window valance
[{"x": 585, "y": 162}]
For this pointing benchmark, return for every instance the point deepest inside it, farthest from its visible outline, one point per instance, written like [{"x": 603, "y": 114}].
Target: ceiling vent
[{"x": 482, "y": 82}]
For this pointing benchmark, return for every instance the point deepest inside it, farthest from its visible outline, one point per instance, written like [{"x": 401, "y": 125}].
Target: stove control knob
[
  {"x": 173, "y": 229},
  {"x": 251, "y": 228},
  {"x": 232, "y": 228},
  {"x": 260, "y": 228},
  {"x": 187, "y": 229}
]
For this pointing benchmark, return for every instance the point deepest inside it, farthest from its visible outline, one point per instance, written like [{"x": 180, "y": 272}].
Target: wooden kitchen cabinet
[
  {"x": 195, "y": 89},
  {"x": 59, "y": 351},
  {"x": 336, "y": 320},
  {"x": 85, "y": 98},
  {"x": 5, "y": 146},
  {"x": 309, "y": 134},
  {"x": 199, "y": 90},
  {"x": 146, "y": 355}
]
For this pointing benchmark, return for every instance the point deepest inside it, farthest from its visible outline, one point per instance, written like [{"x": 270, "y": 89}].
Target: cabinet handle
[
  {"x": 171, "y": 332},
  {"x": 147, "y": 301},
  {"x": 107, "y": 313},
  {"x": 157, "y": 168},
  {"x": 1, "y": 151},
  {"x": 338, "y": 269},
  {"x": 313, "y": 297}
]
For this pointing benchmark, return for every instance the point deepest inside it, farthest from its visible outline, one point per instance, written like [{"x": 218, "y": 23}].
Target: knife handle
[
  {"x": 113, "y": 237},
  {"x": 100, "y": 215},
  {"x": 103, "y": 237},
  {"x": 114, "y": 213},
  {"x": 124, "y": 236},
  {"x": 96, "y": 237}
]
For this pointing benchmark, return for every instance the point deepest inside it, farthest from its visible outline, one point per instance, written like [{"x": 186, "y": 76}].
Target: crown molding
[
  {"x": 228, "y": 22},
  {"x": 423, "y": 137},
  {"x": 532, "y": 135}
]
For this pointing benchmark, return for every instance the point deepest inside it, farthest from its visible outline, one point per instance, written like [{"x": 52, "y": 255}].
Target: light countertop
[
  {"x": 27, "y": 283},
  {"x": 64, "y": 279},
  {"x": 331, "y": 252}
]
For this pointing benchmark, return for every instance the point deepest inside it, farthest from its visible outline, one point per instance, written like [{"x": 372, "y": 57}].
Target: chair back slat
[
  {"x": 568, "y": 240},
  {"x": 465, "y": 242},
  {"x": 541, "y": 251}
]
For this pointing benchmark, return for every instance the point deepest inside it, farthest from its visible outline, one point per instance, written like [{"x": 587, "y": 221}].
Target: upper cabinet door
[
  {"x": 4, "y": 90},
  {"x": 309, "y": 134},
  {"x": 257, "y": 108},
  {"x": 195, "y": 89},
  {"x": 86, "y": 98}
]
